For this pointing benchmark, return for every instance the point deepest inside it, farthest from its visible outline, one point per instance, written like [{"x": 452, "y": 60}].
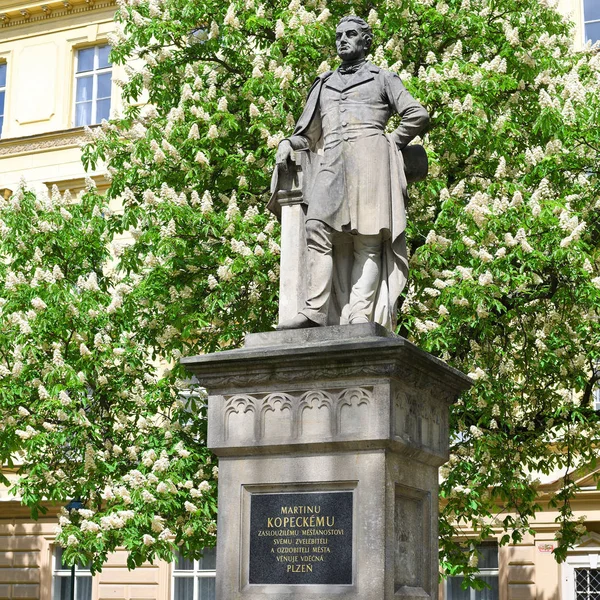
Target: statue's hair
[{"x": 364, "y": 27}]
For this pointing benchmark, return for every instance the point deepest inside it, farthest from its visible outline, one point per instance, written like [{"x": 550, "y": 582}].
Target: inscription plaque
[{"x": 301, "y": 538}]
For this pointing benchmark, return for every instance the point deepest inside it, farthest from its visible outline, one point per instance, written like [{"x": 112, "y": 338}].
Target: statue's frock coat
[
  {"x": 347, "y": 116},
  {"x": 359, "y": 185}
]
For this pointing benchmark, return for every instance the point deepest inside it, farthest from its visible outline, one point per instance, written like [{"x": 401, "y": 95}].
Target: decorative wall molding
[
  {"x": 297, "y": 417},
  {"x": 24, "y": 13},
  {"x": 290, "y": 374},
  {"x": 419, "y": 420},
  {"x": 43, "y": 141}
]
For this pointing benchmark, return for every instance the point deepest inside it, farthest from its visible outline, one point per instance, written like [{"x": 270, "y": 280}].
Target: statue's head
[{"x": 353, "y": 38}]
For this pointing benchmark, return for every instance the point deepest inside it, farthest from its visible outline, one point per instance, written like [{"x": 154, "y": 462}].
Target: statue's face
[{"x": 350, "y": 42}]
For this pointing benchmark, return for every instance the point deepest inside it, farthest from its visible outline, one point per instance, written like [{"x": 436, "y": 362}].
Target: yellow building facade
[
  {"x": 528, "y": 571},
  {"x": 55, "y": 78}
]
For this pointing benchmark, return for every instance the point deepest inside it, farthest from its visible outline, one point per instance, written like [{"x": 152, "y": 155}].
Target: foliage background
[{"x": 503, "y": 237}]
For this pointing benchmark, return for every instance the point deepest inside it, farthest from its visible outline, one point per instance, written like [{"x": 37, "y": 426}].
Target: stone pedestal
[{"x": 329, "y": 443}]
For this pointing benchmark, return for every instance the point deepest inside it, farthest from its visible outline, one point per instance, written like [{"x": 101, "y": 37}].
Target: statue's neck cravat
[{"x": 349, "y": 68}]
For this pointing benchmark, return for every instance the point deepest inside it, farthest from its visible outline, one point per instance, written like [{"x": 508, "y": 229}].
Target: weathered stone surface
[
  {"x": 355, "y": 220},
  {"x": 350, "y": 410},
  {"x": 343, "y": 387},
  {"x": 296, "y": 357}
]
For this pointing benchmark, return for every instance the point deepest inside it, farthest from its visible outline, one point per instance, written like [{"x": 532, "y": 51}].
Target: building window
[
  {"x": 488, "y": 572},
  {"x": 3, "y": 68},
  {"x": 93, "y": 74},
  {"x": 195, "y": 579},
  {"x": 587, "y": 584},
  {"x": 591, "y": 20},
  {"x": 63, "y": 579}
]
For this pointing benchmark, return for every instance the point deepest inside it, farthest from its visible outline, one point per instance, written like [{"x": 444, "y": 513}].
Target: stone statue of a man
[{"x": 355, "y": 221}]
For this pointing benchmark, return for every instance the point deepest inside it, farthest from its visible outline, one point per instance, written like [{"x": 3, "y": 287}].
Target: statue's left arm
[{"x": 414, "y": 117}]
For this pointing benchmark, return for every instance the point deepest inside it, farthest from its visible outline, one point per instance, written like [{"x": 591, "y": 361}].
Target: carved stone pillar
[
  {"x": 289, "y": 205},
  {"x": 329, "y": 443}
]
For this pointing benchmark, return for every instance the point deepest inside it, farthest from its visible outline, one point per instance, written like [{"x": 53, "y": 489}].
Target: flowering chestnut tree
[
  {"x": 86, "y": 413},
  {"x": 503, "y": 237}
]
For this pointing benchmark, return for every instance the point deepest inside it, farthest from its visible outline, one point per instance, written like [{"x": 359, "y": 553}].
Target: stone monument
[
  {"x": 329, "y": 438},
  {"x": 329, "y": 442},
  {"x": 354, "y": 189}
]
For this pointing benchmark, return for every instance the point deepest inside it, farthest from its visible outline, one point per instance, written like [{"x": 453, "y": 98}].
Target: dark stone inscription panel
[{"x": 301, "y": 538}]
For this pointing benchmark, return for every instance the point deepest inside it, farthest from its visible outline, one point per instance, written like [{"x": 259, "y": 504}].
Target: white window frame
[
  {"x": 56, "y": 573},
  {"x": 584, "y": 556},
  {"x": 483, "y": 572},
  {"x": 586, "y": 21},
  {"x": 94, "y": 73},
  {"x": 3, "y": 89},
  {"x": 196, "y": 573}
]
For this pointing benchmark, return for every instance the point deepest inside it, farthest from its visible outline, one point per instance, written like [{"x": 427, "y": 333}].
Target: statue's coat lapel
[{"x": 365, "y": 73}]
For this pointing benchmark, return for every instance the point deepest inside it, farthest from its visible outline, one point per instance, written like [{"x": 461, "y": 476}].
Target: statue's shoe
[{"x": 298, "y": 322}]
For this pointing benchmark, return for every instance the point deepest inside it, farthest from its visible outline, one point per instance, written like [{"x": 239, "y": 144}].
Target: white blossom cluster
[{"x": 502, "y": 235}]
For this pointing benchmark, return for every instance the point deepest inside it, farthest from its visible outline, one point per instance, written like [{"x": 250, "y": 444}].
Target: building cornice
[
  {"x": 19, "y": 13},
  {"x": 67, "y": 138},
  {"x": 13, "y": 510}
]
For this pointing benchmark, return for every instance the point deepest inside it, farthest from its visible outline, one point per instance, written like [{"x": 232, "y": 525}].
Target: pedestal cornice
[{"x": 352, "y": 351}]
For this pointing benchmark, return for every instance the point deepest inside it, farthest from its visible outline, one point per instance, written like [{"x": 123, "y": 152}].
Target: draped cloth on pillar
[{"x": 394, "y": 264}]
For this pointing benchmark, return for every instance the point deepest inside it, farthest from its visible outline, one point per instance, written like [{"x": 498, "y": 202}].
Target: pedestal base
[{"x": 329, "y": 441}]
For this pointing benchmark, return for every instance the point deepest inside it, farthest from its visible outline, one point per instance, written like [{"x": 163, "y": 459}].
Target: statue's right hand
[{"x": 283, "y": 154}]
